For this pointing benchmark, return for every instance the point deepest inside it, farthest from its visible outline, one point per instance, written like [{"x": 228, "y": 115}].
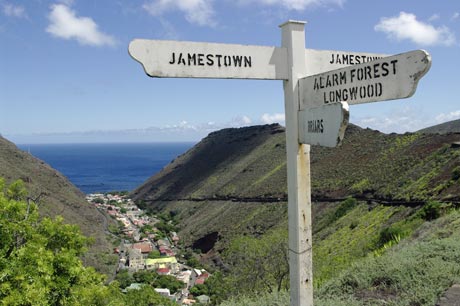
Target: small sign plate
[{"x": 324, "y": 125}]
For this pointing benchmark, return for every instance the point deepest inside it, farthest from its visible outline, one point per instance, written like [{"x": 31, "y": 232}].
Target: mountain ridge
[{"x": 443, "y": 128}]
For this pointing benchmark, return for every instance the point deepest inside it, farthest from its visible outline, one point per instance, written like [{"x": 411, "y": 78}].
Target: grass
[
  {"x": 415, "y": 272},
  {"x": 358, "y": 230}
]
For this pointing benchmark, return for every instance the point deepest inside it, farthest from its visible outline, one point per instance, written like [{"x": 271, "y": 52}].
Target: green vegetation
[
  {"x": 149, "y": 278},
  {"x": 456, "y": 174},
  {"x": 259, "y": 264},
  {"x": 431, "y": 210},
  {"x": 40, "y": 264},
  {"x": 415, "y": 272},
  {"x": 234, "y": 183}
]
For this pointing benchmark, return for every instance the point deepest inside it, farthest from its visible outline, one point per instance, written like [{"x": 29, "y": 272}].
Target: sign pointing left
[{"x": 178, "y": 59}]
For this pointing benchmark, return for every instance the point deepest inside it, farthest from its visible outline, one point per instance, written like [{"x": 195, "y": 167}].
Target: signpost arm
[{"x": 298, "y": 171}]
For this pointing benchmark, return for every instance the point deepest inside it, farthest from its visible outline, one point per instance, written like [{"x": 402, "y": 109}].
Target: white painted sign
[
  {"x": 319, "y": 61},
  {"x": 389, "y": 78},
  {"x": 324, "y": 125},
  {"x": 316, "y": 106},
  {"x": 178, "y": 59}
]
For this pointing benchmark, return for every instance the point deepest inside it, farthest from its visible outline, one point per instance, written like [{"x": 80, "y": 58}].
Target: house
[
  {"x": 164, "y": 262},
  {"x": 174, "y": 238},
  {"x": 163, "y": 271},
  {"x": 144, "y": 247},
  {"x": 133, "y": 286},
  {"x": 188, "y": 302},
  {"x": 165, "y": 251},
  {"x": 184, "y": 276},
  {"x": 136, "y": 260},
  {"x": 203, "y": 299},
  {"x": 202, "y": 278},
  {"x": 166, "y": 293}
]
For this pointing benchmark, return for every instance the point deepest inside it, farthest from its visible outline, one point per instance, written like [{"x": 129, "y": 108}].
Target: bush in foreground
[{"x": 40, "y": 264}]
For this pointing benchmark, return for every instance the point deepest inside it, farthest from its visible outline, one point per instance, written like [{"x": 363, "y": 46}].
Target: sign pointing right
[{"x": 389, "y": 78}]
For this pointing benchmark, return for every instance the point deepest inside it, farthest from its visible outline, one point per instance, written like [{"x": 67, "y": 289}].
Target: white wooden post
[{"x": 298, "y": 171}]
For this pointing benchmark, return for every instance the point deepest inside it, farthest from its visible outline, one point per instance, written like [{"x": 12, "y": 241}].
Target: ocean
[{"x": 107, "y": 167}]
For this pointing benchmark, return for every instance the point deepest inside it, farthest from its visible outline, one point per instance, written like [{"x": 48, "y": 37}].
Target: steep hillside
[
  {"x": 60, "y": 198},
  {"x": 249, "y": 164},
  {"x": 234, "y": 183},
  {"x": 229, "y": 192},
  {"x": 443, "y": 128}
]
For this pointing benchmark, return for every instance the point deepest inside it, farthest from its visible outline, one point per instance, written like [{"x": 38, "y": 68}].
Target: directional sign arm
[
  {"x": 184, "y": 59},
  {"x": 324, "y": 125},
  {"x": 393, "y": 77}
]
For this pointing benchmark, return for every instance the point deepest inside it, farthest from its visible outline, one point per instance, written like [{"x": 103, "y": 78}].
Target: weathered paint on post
[
  {"x": 319, "y": 61},
  {"x": 393, "y": 77},
  {"x": 324, "y": 125},
  {"x": 298, "y": 172},
  {"x": 179, "y": 59}
]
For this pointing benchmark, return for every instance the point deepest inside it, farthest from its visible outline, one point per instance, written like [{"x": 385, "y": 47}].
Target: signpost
[{"x": 316, "y": 105}]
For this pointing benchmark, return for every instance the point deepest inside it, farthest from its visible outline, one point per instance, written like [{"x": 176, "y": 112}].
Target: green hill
[
  {"x": 236, "y": 171},
  {"x": 59, "y": 197},
  {"x": 249, "y": 164},
  {"x": 229, "y": 193}
]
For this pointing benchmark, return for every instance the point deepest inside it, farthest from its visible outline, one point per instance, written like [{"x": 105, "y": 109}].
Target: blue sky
[{"x": 66, "y": 76}]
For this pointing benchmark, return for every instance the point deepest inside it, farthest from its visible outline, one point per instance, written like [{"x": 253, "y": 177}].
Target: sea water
[{"x": 107, "y": 167}]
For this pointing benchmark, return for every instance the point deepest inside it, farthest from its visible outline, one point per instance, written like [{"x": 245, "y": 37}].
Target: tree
[
  {"x": 146, "y": 296},
  {"x": 124, "y": 278},
  {"x": 260, "y": 264},
  {"x": 40, "y": 264},
  {"x": 145, "y": 277},
  {"x": 169, "y": 282},
  {"x": 39, "y": 259},
  {"x": 17, "y": 191},
  {"x": 98, "y": 200},
  {"x": 154, "y": 254}
]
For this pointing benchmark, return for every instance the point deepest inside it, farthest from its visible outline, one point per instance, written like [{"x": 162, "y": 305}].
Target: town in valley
[{"x": 149, "y": 245}]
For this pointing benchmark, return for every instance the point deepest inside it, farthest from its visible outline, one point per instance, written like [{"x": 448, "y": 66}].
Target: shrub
[
  {"x": 388, "y": 234},
  {"x": 431, "y": 210},
  {"x": 345, "y": 207},
  {"x": 456, "y": 174}
]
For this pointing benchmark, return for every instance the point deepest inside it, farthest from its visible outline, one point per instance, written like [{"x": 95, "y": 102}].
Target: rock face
[
  {"x": 451, "y": 297},
  {"x": 60, "y": 198}
]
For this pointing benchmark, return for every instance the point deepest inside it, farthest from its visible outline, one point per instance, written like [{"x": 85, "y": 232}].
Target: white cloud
[
  {"x": 441, "y": 118},
  {"x": 434, "y": 17},
  {"x": 406, "y": 26},
  {"x": 67, "y": 2},
  {"x": 295, "y": 5},
  {"x": 455, "y": 16},
  {"x": 273, "y": 118},
  {"x": 198, "y": 12},
  {"x": 399, "y": 120},
  {"x": 240, "y": 121},
  {"x": 11, "y": 10},
  {"x": 406, "y": 119},
  {"x": 65, "y": 24}
]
